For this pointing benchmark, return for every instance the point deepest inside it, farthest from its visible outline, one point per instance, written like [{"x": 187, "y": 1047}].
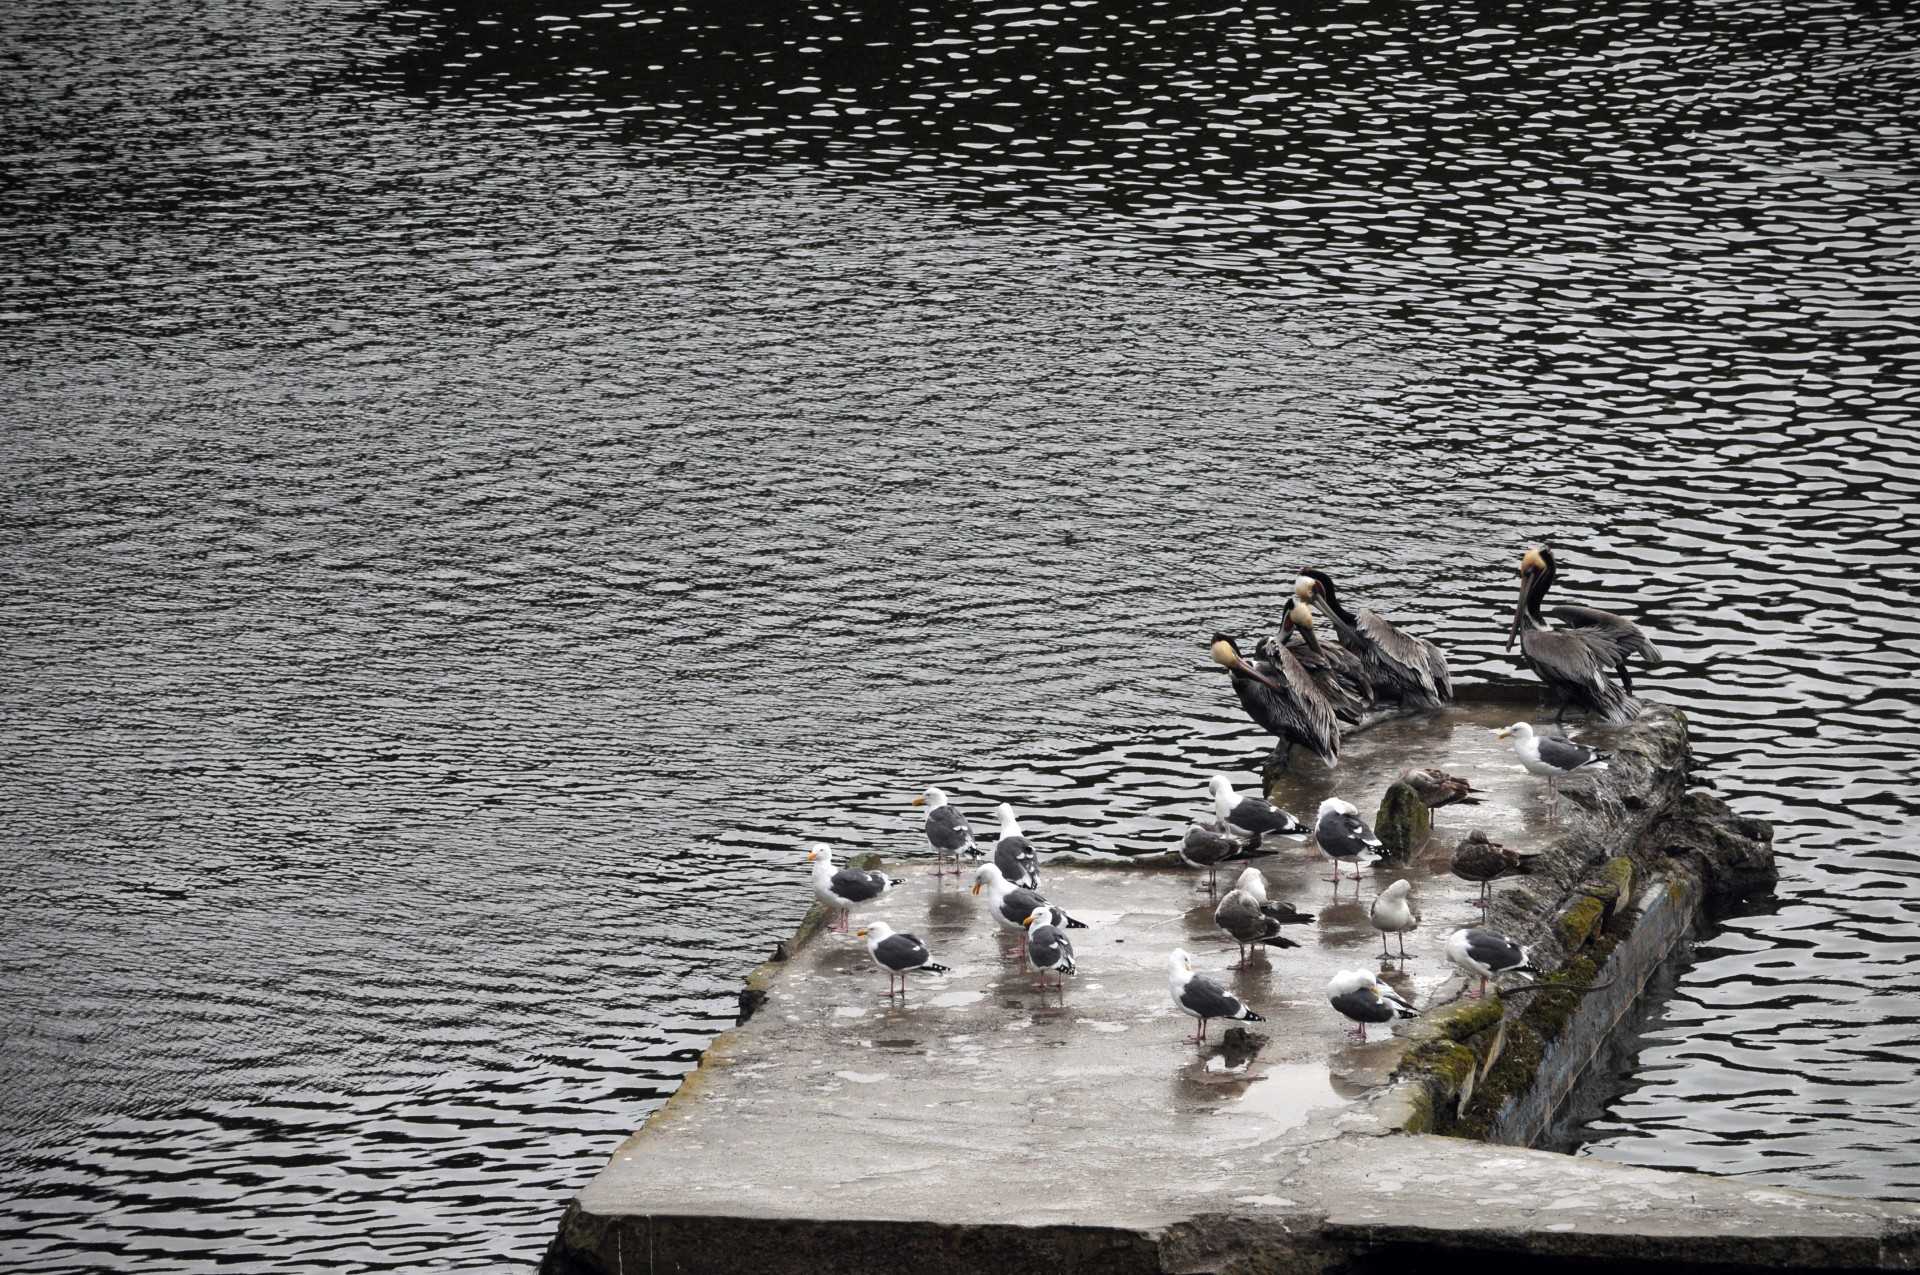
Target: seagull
[
  {"x": 1551, "y": 756},
  {"x": 1200, "y": 996},
  {"x": 1013, "y": 854},
  {"x": 1436, "y": 788},
  {"x": 897, "y": 954},
  {"x": 1393, "y": 913},
  {"x": 1487, "y": 953},
  {"x": 947, "y": 830},
  {"x": 1250, "y": 920},
  {"x": 1342, "y": 836},
  {"x": 1048, "y": 948},
  {"x": 1203, "y": 847},
  {"x": 1282, "y": 698},
  {"x": 1362, "y": 997},
  {"x": 1249, "y": 816},
  {"x": 846, "y": 889},
  {"x": 1407, "y": 668},
  {"x": 1477, "y": 858},
  {"x": 1584, "y": 662},
  {"x": 1011, "y": 905}
]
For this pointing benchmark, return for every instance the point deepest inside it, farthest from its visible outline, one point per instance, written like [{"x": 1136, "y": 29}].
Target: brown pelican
[
  {"x": 1281, "y": 697},
  {"x": 1409, "y": 669},
  {"x": 1336, "y": 672},
  {"x": 1574, "y": 660}
]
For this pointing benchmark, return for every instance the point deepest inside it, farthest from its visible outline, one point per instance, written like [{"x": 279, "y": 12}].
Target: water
[{"x": 473, "y": 503}]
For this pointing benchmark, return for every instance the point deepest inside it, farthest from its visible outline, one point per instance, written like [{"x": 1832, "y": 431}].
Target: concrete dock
[{"x": 984, "y": 1123}]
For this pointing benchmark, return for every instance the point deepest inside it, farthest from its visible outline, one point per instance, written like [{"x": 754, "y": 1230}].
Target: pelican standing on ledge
[
  {"x": 1334, "y": 671},
  {"x": 1282, "y": 698},
  {"x": 1401, "y": 666},
  {"x": 1585, "y": 661}
]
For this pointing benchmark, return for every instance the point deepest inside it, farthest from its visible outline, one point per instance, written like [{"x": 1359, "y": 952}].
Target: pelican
[
  {"x": 1282, "y": 698},
  {"x": 1402, "y": 666},
  {"x": 1336, "y": 672},
  {"x": 1584, "y": 662}
]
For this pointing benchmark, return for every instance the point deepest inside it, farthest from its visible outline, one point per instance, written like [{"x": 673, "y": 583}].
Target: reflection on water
[{"x": 482, "y": 483}]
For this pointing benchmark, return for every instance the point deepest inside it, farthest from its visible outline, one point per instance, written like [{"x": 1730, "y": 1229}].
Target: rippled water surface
[{"x": 482, "y": 483}]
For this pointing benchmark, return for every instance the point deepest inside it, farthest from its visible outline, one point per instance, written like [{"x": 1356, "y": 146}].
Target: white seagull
[
  {"x": 1342, "y": 836},
  {"x": 1363, "y": 998},
  {"x": 1200, "y": 996},
  {"x": 897, "y": 954},
  {"x": 1048, "y": 948},
  {"x": 1486, "y": 953},
  {"x": 1249, "y": 816},
  {"x": 1551, "y": 756},
  {"x": 847, "y": 888},
  {"x": 947, "y": 831},
  {"x": 1393, "y": 913},
  {"x": 1013, "y": 854},
  {"x": 1011, "y": 905}
]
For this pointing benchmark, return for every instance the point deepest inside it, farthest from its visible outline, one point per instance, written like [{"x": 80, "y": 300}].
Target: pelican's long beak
[
  {"x": 1224, "y": 654},
  {"x": 919, "y": 801},
  {"x": 1526, "y": 583}
]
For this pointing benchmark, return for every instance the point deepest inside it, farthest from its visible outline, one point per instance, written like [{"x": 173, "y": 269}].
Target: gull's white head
[
  {"x": 1222, "y": 789},
  {"x": 932, "y": 797},
  {"x": 1519, "y": 730},
  {"x": 988, "y": 875},
  {"x": 1348, "y": 981},
  {"x": 1009, "y": 826},
  {"x": 1253, "y": 883},
  {"x": 1040, "y": 916},
  {"x": 820, "y": 852},
  {"x": 1398, "y": 890},
  {"x": 875, "y": 932},
  {"x": 1179, "y": 964},
  {"x": 1335, "y": 806}
]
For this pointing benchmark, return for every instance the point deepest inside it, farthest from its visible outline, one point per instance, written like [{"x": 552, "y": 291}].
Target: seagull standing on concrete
[
  {"x": 897, "y": 954},
  {"x": 947, "y": 831},
  {"x": 1486, "y": 953},
  {"x": 1200, "y": 996},
  {"x": 1204, "y": 847},
  {"x": 1551, "y": 756},
  {"x": 1393, "y": 913},
  {"x": 1363, "y": 998},
  {"x": 1478, "y": 858},
  {"x": 1251, "y": 921},
  {"x": 1342, "y": 836},
  {"x": 1011, "y": 905},
  {"x": 847, "y": 888},
  {"x": 1048, "y": 948},
  {"x": 1013, "y": 854},
  {"x": 1249, "y": 816}
]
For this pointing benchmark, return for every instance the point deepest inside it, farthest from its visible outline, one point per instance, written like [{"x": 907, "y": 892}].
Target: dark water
[{"x": 482, "y": 484}]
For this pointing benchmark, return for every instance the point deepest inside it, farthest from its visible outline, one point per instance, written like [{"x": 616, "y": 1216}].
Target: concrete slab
[{"x": 983, "y": 1105}]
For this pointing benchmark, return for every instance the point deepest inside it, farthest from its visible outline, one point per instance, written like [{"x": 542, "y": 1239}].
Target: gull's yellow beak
[
  {"x": 976, "y": 887},
  {"x": 1505, "y": 732},
  {"x": 860, "y": 934},
  {"x": 812, "y": 855},
  {"x": 919, "y": 801}
]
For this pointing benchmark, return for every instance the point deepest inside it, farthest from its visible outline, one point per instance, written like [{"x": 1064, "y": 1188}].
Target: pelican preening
[
  {"x": 1335, "y": 672},
  {"x": 1584, "y": 661},
  {"x": 1400, "y": 666},
  {"x": 1282, "y": 698}
]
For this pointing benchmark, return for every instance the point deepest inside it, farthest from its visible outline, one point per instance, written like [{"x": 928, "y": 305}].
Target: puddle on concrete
[
  {"x": 1283, "y": 1097},
  {"x": 956, "y": 1000},
  {"x": 864, "y": 1077}
]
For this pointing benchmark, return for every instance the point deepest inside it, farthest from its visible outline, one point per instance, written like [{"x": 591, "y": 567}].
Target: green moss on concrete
[
  {"x": 1403, "y": 823},
  {"x": 1467, "y": 1018},
  {"x": 1619, "y": 874},
  {"x": 1582, "y": 920}
]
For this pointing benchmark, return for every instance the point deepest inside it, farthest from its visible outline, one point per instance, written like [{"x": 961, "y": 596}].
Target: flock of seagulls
[{"x": 1302, "y": 691}]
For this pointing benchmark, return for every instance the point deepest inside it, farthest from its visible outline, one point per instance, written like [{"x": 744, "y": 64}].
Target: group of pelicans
[{"x": 1300, "y": 690}]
